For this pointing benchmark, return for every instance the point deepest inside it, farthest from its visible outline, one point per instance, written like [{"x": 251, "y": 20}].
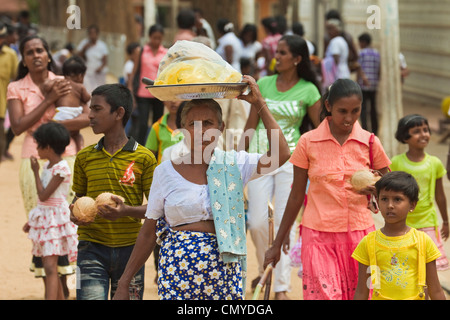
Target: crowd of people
[{"x": 313, "y": 122}]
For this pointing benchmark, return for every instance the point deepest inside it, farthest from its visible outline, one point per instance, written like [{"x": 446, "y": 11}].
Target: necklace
[{"x": 394, "y": 258}]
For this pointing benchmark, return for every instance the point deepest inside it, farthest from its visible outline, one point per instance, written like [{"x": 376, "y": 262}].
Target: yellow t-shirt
[
  {"x": 8, "y": 70},
  {"x": 397, "y": 263}
]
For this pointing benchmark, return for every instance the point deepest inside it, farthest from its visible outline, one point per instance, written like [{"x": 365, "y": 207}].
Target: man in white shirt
[
  {"x": 338, "y": 48},
  {"x": 95, "y": 52}
]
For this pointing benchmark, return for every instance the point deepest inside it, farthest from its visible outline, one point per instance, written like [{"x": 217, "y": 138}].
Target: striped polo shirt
[{"x": 127, "y": 173}]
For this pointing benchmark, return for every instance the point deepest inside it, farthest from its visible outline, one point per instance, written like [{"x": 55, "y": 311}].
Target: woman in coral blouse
[{"x": 336, "y": 217}]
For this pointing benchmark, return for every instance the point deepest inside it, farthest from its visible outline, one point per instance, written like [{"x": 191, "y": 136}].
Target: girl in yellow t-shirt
[{"x": 397, "y": 262}]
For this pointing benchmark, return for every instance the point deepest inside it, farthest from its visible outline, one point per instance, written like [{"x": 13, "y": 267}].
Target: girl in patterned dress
[{"x": 49, "y": 226}]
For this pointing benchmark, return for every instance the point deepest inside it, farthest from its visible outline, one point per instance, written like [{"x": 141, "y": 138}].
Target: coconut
[
  {"x": 361, "y": 179},
  {"x": 84, "y": 209},
  {"x": 105, "y": 199}
]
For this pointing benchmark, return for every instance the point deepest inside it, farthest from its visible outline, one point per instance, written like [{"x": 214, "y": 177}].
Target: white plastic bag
[{"x": 189, "y": 62}]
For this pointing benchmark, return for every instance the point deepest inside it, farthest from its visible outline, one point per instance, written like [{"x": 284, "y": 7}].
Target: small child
[
  {"x": 428, "y": 170},
  {"x": 49, "y": 226},
  {"x": 70, "y": 106},
  {"x": 164, "y": 133},
  {"x": 402, "y": 260}
]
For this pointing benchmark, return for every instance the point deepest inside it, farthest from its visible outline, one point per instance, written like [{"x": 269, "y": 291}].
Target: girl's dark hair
[
  {"x": 408, "y": 122},
  {"x": 54, "y": 135},
  {"x": 399, "y": 181},
  {"x": 116, "y": 95},
  {"x": 155, "y": 28},
  {"x": 341, "y": 88},
  {"x": 23, "y": 70},
  {"x": 74, "y": 66}
]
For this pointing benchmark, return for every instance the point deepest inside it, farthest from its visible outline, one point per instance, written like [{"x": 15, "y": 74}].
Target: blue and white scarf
[{"x": 226, "y": 192}]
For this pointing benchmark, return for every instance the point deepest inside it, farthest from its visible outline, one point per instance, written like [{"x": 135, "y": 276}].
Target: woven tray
[{"x": 198, "y": 91}]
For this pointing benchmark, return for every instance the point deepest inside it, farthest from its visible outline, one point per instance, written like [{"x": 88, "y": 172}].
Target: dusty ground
[{"x": 16, "y": 281}]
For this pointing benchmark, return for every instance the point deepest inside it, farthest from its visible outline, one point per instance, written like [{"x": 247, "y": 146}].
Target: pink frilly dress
[{"x": 51, "y": 231}]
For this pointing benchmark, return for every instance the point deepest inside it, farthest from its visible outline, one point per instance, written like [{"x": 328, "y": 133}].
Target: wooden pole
[{"x": 390, "y": 91}]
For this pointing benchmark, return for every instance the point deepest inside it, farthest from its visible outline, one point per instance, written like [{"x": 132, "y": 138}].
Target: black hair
[
  {"x": 270, "y": 23},
  {"x": 297, "y": 28},
  {"x": 224, "y": 25},
  {"x": 408, "y": 122},
  {"x": 23, "y": 70},
  {"x": 116, "y": 95},
  {"x": 249, "y": 27},
  {"x": 298, "y": 47},
  {"x": 341, "y": 88},
  {"x": 333, "y": 14},
  {"x": 186, "y": 19},
  {"x": 54, "y": 135},
  {"x": 365, "y": 38},
  {"x": 95, "y": 27},
  {"x": 281, "y": 24},
  {"x": 399, "y": 181},
  {"x": 74, "y": 66},
  {"x": 245, "y": 62},
  {"x": 10, "y": 29},
  {"x": 132, "y": 46},
  {"x": 155, "y": 28}
]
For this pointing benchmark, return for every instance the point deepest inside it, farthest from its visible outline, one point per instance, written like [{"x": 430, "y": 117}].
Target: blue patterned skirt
[{"x": 190, "y": 267}]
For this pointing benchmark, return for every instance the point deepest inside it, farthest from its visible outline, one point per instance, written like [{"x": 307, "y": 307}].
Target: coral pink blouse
[
  {"x": 333, "y": 205},
  {"x": 31, "y": 96},
  {"x": 149, "y": 68}
]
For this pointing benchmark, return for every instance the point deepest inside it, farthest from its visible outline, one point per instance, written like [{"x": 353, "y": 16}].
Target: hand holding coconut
[
  {"x": 110, "y": 206},
  {"x": 106, "y": 205},
  {"x": 363, "y": 181},
  {"x": 83, "y": 211}
]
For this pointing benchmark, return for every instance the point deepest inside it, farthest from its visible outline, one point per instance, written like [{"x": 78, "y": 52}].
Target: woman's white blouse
[{"x": 181, "y": 201}]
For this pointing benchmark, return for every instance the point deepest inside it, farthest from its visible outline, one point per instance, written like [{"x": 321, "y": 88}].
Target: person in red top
[
  {"x": 146, "y": 65},
  {"x": 336, "y": 217}
]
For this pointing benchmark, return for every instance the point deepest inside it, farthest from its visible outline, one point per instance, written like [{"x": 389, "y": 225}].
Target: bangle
[
  {"x": 265, "y": 105},
  {"x": 445, "y": 222}
]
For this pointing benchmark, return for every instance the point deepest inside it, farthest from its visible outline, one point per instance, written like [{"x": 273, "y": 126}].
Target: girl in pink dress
[{"x": 49, "y": 226}]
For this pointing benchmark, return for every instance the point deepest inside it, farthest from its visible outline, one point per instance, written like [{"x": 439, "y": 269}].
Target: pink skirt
[
  {"x": 329, "y": 271},
  {"x": 442, "y": 261}
]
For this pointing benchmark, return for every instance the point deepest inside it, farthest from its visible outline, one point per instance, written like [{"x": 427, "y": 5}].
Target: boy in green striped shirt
[{"x": 119, "y": 165}]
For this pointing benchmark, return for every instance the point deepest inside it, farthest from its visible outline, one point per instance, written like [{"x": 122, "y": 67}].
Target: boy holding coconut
[{"x": 119, "y": 166}]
